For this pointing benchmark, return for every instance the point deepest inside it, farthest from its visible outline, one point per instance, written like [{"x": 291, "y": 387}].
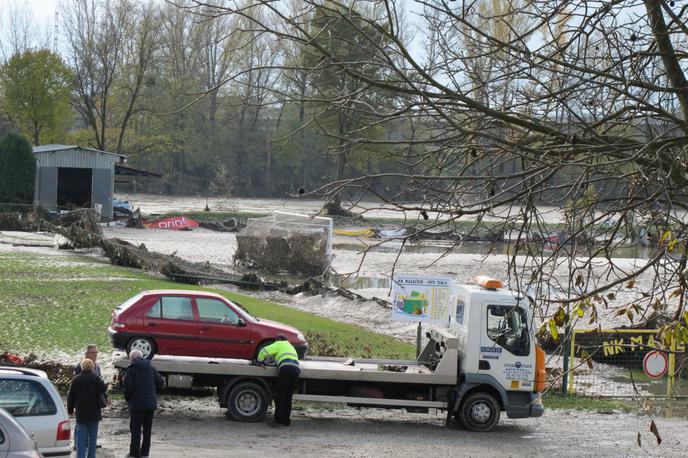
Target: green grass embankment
[
  {"x": 60, "y": 303},
  {"x": 555, "y": 400}
]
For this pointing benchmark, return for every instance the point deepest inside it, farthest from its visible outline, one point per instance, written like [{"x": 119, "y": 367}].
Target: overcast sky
[{"x": 43, "y": 10}]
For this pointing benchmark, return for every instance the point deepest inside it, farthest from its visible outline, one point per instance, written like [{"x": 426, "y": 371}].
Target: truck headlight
[{"x": 301, "y": 337}]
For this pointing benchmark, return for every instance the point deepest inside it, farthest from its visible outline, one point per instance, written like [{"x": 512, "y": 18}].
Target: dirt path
[{"x": 198, "y": 428}]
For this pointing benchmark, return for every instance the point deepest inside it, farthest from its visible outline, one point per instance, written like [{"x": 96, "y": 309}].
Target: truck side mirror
[{"x": 241, "y": 323}]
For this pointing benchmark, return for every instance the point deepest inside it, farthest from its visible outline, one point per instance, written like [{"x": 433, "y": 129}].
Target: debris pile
[{"x": 282, "y": 244}]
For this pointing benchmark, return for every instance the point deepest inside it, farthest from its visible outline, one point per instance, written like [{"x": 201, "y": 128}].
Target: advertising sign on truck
[{"x": 421, "y": 299}]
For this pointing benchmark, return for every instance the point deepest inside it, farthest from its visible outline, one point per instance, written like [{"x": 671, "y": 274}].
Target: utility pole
[{"x": 55, "y": 30}]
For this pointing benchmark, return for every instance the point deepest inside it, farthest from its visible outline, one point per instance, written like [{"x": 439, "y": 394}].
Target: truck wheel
[
  {"x": 247, "y": 401},
  {"x": 479, "y": 412},
  {"x": 143, "y": 344}
]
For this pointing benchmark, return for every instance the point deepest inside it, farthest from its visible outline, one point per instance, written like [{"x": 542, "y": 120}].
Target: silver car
[
  {"x": 28, "y": 395},
  {"x": 15, "y": 442}
]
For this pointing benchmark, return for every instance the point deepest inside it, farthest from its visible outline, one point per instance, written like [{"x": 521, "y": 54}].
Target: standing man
[
  {"x": 92, "y": 354},
  {"x": 139, "y": 384},
  {"x": 288, "y": 370},
  {"x": 84, "y": 399}
]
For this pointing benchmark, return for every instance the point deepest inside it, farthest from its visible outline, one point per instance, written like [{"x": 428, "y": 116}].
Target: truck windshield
[{"x": 507, "y": 326}]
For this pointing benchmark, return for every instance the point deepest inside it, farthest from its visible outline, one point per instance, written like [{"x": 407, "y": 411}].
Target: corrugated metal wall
[
  {"x": 46, "y": 191},
  {"x": 76, "y": 158},
  {"x": 102, "y": 186}
]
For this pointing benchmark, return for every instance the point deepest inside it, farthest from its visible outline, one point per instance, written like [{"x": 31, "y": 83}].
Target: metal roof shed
[{"x": 74, "y": 176}]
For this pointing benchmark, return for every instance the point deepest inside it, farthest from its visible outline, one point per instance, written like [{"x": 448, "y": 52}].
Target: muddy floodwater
[
  {"x": 363, "y": 265},
  {"x": 157, "y": 204}
]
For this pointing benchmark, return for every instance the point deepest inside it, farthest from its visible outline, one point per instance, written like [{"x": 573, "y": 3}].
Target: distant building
[{"x": 74, "y": 176}]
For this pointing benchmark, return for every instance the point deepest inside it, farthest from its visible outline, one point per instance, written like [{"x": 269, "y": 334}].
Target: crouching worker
[{"x": 284, "y": 355}]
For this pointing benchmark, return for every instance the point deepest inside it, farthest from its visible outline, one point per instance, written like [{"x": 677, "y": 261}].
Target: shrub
[{"x": 17, "y": 169}]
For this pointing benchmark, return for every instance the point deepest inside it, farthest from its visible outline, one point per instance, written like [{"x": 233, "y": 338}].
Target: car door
[
  {"x": 171, "y": 322},
  {"x": 4, "y": 442},
  {"x": 505, "y": 346},
  {"x": 222, "y": 333}
]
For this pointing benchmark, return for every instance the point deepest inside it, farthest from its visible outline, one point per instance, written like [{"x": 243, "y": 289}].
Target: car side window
[
  {"x": 172, "y": 308},
  {"x": 155, "y": 311},
  {"x": 215, "y": 311},
  {"x": 25, "y": 398},
  {"x": 507, "y": 326}
]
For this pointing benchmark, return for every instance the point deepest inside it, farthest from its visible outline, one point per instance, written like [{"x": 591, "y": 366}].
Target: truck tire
[
  {"x": 143, "y": 344},
  {"x": 247, "y": 401},
  {"x": 479, "y": 412}
]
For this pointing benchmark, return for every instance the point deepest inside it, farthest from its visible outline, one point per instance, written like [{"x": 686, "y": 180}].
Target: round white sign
[{"x": 655, "y": 364}]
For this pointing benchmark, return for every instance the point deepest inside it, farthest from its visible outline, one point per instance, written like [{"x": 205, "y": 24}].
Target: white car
[
  {"x": 29, "y": 396},
  {"x": 15, "y": 442}
]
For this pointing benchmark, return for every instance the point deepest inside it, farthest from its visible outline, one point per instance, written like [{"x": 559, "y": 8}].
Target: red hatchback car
[{"x": 194, "y": 323}]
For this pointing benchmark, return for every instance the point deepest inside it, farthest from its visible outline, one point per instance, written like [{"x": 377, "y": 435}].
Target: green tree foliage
[
  {"x": 18, "y": 169},
  {"x": 36, "y": 89},
  {"x": 346, "y": 108}
]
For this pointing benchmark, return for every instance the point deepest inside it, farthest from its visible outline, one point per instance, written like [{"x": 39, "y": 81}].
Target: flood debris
[
  {"x": 229, "y": 225},
  {"x": 80, "y": 229},
  {"x": 314, "y": 287},
  {"x": 286, "y": 242},
  {"x": 173, "y": 223}
]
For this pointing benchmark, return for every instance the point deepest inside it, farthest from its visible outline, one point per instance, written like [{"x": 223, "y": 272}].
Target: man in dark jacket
[
  {"x": 139, "y": 384},
  {"x": 83, "y": 398}
]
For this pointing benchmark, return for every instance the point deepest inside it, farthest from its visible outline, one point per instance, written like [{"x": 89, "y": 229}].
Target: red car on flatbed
[{"x": 194, "y": 323}]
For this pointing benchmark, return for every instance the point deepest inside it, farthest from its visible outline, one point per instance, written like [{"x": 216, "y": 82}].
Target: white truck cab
[{"x": 496, "y": 346}]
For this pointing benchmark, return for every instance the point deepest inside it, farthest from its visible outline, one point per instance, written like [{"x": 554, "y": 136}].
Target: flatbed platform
[{"x": 371, "y": 370}]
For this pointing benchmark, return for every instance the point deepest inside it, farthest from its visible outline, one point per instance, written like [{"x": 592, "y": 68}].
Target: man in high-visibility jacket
[{"x": 288, "y": 370}]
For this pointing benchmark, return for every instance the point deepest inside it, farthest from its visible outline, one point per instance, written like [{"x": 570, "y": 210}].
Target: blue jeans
[{"x": 85, "y": 436}]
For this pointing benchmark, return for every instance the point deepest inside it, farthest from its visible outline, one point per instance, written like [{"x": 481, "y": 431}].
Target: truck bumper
[{"x": 533, "y": 408}]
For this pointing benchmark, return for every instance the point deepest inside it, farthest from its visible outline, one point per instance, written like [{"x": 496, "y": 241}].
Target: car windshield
[{"x": 243, "y": 309}]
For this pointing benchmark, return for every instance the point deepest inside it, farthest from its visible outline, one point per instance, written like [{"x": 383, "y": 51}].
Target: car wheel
[
  {"x": 479, "y": 412},
  {"x": 247, "y": 401},
  {"x": 261, "y": 346},
  {"x": 142, "y": 344}
]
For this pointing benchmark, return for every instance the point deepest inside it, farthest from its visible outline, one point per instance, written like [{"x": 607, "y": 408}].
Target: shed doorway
[{"x": 74, "y": 187}]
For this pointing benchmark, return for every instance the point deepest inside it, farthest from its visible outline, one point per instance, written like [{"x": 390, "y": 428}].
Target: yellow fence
[{"x": 609, "y": 362}]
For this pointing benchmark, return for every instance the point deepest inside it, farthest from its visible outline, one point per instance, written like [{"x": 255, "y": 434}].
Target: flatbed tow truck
[{"x": 484, "y": 361}]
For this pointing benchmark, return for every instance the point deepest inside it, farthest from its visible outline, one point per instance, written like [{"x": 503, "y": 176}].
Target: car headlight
[{"x": 301, "y": 337}]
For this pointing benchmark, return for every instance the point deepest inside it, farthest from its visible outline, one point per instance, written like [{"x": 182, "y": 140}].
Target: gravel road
[{"x": 193, "y": 427}]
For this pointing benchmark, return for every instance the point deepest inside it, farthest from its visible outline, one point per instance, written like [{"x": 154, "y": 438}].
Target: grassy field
[
  {"x": 554, "y": 400},
  {"x": 62, "y": 302}
]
